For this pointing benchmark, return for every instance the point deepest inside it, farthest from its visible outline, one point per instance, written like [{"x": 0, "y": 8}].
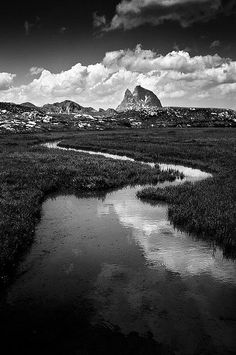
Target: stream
[{"x": 113, "y": 261}]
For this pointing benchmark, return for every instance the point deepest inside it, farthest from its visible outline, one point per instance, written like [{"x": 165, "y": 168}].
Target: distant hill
[
  {"x": 107, "y": 113},
  {"x": 140, "y": 99},
  {"x": 66, "y": 106},
  {"x": 71, "y": 107},
  {"x": 14, "y": 108},
  {"x": 29, "y": 104}
]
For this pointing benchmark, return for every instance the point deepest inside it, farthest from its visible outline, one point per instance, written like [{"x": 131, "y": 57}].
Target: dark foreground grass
[
  {"x": 207, "y": 208},
  {"x": 29, "y": 173}
]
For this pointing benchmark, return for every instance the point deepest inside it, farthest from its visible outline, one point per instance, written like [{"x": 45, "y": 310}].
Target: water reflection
[
  {"x": 137, "y": 272},
  {"x": 125, "y": 259},
  {"x": 162, "y": 244}
]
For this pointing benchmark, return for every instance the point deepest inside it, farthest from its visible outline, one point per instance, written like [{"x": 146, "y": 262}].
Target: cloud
[
  {"x": 215, "y": 44},
  {"x": 99, "y": 21},
  {"x": 134, "y": 13},
  {"x": 28, "y": 26},
  {"x": 62, "y": 30},
  {"x": 36, "y": 70},
  {"x": 6, "y": 80},
  {"x": 177, "y": 48},
  {"x": 176, "y": 77},
  {"x": 145, "y": 61}
]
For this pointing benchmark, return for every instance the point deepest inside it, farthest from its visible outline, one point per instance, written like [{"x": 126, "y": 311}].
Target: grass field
[{"x": 29, "y": 172}]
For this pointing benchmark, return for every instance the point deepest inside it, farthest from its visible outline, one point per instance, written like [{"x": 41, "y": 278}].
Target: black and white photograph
[{"x": 118, "y": 177}]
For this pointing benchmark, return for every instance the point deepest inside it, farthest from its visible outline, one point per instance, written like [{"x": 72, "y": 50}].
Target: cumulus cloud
[
  {"x": 146, "y": 60},
  {"x": 134, "y": 13},
  {"x": 177, "y": 78},
  {"x": 6, "y": 80},
  {"x": 36, "y": 70}
]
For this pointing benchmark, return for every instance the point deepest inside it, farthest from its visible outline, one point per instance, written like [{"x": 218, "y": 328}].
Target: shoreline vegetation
[
  {"x": 29, "y": 173},
  {"x": 206, "y": 208}
]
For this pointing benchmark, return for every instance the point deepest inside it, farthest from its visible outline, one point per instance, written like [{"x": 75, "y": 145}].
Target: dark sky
[
  {"x": 56, "y": 35},
  {"x": 61, "y": 34}
]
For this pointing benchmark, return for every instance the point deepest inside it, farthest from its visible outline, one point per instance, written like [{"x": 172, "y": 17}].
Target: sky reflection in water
[
  {"x": 125, "y": 258},
  {"x": 162, "y": 244}
]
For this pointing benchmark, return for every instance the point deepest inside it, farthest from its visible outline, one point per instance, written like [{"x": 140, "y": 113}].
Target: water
[
  {"x": 190, "y": 173},
  {"x": 114, "y": 261}
]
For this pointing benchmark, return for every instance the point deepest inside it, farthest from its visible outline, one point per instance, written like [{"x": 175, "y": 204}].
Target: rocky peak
[
  {"x": 140, "y": 98},
  {"x": 128, "y": 93}
]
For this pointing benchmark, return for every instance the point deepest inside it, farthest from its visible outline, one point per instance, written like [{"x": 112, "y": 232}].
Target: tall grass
[
  {"x": 28, "y": 174},
  {"x": 207, "y": 208}
]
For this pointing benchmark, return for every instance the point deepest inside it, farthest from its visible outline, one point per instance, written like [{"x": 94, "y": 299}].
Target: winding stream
[
  {"x": 124, "y": 258},
  {"x": 189, "y": 173}
]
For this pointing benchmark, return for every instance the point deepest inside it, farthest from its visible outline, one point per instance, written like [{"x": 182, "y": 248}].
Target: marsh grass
[
  {"x": 206, "y": 208},
  {"x": 28, "y": 173}
]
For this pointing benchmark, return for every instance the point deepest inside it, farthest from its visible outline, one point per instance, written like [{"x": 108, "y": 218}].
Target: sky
[{"x": 91, "y": 52}]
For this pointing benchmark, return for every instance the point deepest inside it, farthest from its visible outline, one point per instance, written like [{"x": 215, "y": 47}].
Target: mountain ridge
[
  {"x": 21, "y": 119},
  {"x": 67, "y": 107}
]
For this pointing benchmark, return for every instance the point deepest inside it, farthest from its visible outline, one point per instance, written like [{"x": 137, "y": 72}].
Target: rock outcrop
[
  {"x": 139, "y": 99},
  {"x": 66, "y": 106}
]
